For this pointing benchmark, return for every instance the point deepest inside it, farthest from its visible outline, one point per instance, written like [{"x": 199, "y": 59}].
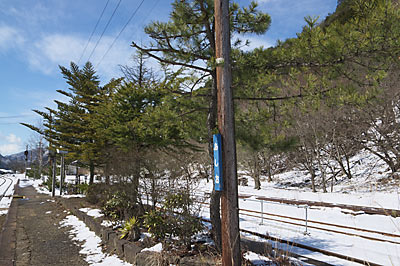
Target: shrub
[
  {"x": 48, "y": 184},
  {"x": 117, "y": 205},
  {"x": 156, "y": 224},
  {"x": 130, "y": 229},
  {"x": 96, "y": 193},
  {"x": 174, "y": 219},
  {"x": 83, "y": 188}
]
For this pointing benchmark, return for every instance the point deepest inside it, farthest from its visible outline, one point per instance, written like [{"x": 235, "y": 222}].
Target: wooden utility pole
[
  {"x": 53, "y": 182},
  {"x": 231, "y": 255},
  {"x": 62, "y": 172}
]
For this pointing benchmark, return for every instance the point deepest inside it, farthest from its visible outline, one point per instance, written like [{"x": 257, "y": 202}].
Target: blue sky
[{"x": 37, "y": 36}]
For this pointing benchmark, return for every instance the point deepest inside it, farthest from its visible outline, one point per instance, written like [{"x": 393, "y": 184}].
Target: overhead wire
[
  {"x": 119, "y": 34},
  {"x": 91, "y": 35},
  {"x": 105, "y": 28},
  {"x": 14, "y": 116},
  {"x": 145, "y": 18}
]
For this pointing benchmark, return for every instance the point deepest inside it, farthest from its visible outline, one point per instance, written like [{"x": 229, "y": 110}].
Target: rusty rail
[{"x": 367, "y": 210}]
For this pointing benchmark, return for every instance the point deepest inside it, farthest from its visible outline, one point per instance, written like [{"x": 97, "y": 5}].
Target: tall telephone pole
[{"x": 231, "y": 255}]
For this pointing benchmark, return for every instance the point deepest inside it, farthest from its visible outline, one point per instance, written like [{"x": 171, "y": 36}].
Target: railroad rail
[
  {"x": 252, "y": 213},
  {"x": 3, "y": 181},
  {"x": 334, "y": 228},
  {"x": 290, "y": 243},
  {"x": 302, "y": 246},
  {"x": 367, "y": 210}
]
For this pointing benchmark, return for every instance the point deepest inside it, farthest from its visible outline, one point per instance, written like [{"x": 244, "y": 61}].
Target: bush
[
  {"x": 48, "y": 184},
  {"x": 156, "y": 224},
  {"x": 96, "y": 193},
  {"x": 174, "y": 219},
  {"x": 83, "y": 188},
  {"x": 117, "y": 206}
]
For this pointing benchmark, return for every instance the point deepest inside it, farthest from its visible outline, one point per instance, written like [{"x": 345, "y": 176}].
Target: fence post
[
  {"x": 262, "y": 212},
  {"x": 306, "y": 209}
]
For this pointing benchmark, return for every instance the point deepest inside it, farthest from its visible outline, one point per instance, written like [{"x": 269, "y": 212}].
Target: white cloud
[
  {"x": 13, "y": 139},
  {"x": 9, "y": 37},
  {"x": 7, "y": 149},
  {"x": 12, "y": 144},
  {"x": 256, "y": 42},
  {"x": 59, "y": 49}
]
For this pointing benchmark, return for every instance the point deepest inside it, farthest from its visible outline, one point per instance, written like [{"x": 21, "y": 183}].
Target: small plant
[
  {"x": 83, "y": 188},
  {"x": 130, "y": 229},
  {"x": 174, "y": 219},
  {"x": 48, "y": 184},
  {"x": 155, "y": 223},
  {"x": 116, "y": 206},
  {"x": 96, "y": 193}
]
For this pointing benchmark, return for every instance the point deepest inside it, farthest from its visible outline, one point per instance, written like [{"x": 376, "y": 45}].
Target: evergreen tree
[{"x": 188, "y": 41}]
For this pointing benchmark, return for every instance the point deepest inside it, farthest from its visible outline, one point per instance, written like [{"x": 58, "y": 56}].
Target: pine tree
[{"x": 187, "y": 41}]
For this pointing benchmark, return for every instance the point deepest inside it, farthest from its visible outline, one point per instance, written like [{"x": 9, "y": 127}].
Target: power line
[
  {"x": 95, "y": 27},
  {"x": 14, "y": 116},
  {"x": 105, "y": 28},
  {"x": 119, "y": 34},
  {"x": 144, "y": 19}
]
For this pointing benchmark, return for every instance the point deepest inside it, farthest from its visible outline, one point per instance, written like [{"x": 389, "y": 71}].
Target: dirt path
[{"x": 40, "y": 240}]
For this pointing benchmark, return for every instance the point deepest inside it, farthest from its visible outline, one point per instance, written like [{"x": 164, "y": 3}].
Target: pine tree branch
[{"x": 148, "y": 52}]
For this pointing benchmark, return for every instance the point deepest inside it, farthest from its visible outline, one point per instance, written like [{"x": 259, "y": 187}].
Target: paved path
[{"x": 40, "y": 240}]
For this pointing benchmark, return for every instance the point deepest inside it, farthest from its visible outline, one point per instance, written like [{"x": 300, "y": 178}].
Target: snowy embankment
[{"x": 363, "y": 190}]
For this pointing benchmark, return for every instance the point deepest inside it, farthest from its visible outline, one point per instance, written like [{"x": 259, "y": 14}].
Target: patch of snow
[
  {"x": 257, "y": 259},
  {"x": 96, "y": 213},
  {"x": 91, "y": 244},
  {"x": 48, "y": 212},
  {"x": 73, "y": 196},
  {"x": 156, "y": 248},
  {"x": 106, "y": 223},
  {"x": 3, "y": 212},
  {"x": 144, "y": 235}
]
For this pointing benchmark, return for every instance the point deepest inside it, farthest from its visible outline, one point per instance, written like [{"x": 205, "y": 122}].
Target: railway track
[
  {"x": 323, "y": 226},
  {"x": 257, "y": 214},
  {"x": 367, "y": 210},
  {"x": 4, "y": 185},
  {"x": 307, "y": 247}
]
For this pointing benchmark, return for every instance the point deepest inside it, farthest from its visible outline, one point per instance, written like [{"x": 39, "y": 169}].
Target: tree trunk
[
  {"x": 312, "y": 172},
  {"x": 256, "y": 173},
  {"x": 107, "y": 173},
  {"x": 323, "y": 182},
  {"x": 215, "y": 217},
  {"x": 91, "y": 169},
  {"x": 215, "y": 214},
  {"x": 269, "y": 169}
]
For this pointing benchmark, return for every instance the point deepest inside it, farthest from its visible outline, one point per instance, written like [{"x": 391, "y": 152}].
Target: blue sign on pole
[{"x": 217, "y": 147}]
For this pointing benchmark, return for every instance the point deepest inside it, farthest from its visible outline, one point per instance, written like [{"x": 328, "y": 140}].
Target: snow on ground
[
  {"x": 40, "y": 188},
  {"x": 90, "y": 243},
  {"x": 366, "y": 188},
  {"x": 156, "y": 248},
  {"x": 370, "y": 186},
  {"x": 7, "y": 188},
  {"x": 96, "y": 213},
  {"x": 258, "y": 260}
]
